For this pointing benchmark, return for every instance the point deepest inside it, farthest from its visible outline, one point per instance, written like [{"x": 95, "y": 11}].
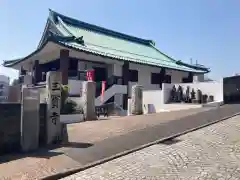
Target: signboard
[{"x": 90, "y": 75}]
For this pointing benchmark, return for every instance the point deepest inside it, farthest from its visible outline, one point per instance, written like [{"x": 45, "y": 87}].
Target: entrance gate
[{"x": 231, "y": 89}]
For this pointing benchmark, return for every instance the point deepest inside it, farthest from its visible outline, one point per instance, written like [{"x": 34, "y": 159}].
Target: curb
[{"x": 96, "y": 163}]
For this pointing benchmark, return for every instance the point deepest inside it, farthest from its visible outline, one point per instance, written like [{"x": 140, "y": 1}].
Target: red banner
[
  {"x": 90, "y": 75},
  {"x": 103, "y": 90}
]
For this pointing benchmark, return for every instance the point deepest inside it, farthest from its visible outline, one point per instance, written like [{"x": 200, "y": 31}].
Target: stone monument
[
  {"x": 88, "y": 96},
  {"x": 137, "y": 100},
  {"x": 30, "y": 119},
  {"x": 53, "y": 89}
]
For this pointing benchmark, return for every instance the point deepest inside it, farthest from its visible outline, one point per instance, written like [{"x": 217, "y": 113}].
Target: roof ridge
[
  {"x": 153, "y": 46},
  {"x": 53, "y": 15}
]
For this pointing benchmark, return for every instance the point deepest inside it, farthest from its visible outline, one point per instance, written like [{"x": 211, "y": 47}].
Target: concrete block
[{"x": 30, "y": 119}]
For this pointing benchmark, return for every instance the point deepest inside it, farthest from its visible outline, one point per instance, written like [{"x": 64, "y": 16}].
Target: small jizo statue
[
  {"x": 187, "y": 94},
  {"x": 179, "y": 94},
  {"x": 173, "y": 94},
  {"x": 199, "y": 96},
  {"x": 193, "y": 94}
]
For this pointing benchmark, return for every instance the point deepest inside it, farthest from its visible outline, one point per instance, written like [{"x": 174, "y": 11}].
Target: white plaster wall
[
  {"x": 198, "y": 78},
  {"x": 85, "y": 65},
  {"x": 117, "y": 69},
  {"x": 75, "y": 86},
  {"x": 176, "y": 76},
  {"x": 144, "y": 77}
]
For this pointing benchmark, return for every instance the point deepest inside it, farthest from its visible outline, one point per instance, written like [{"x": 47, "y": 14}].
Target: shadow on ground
[
  {"x": 170, "y": 141},
  {"x": 46, "y": 152}
]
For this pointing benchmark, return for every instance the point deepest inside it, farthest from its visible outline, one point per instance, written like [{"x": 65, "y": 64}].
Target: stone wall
[
  {"x": 43, "y": 124},
  {"x": 10, "y": 127},
  {"x": 10, "y": 123}
]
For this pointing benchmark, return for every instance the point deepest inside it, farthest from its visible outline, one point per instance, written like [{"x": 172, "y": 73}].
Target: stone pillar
[
  {"x": 117, "y": 76},
  {"x": 37, "y": 75},
  {"x": 190, "y": 77},
  {"x": 137, "y": 100},
  {"x": 53, "y": 88},
  {"x": 162, "y": 76},
  {"x": 30, "y": 119},
  {"x": 64, "y": 63},
  {"x": 88, "y": 95},
  {"x": 27, "y": 79}
]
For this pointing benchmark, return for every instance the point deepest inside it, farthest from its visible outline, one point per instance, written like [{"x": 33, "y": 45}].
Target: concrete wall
[
  {"x": 14, "y": 94},
  {"x": 154, "y": 98},
  {"x": 10, "y": 127},
  {"x": 157, "y": 98},
  {"x": 10, "y": 123}
]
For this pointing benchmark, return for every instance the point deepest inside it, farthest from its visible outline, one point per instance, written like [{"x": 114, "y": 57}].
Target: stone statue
[
  {"x": 193, "y": 95},
  {"x": 199, "y": 96},
  {"x": 210, "y": 98},
  {"x": 173, "y": 94},
  {"x": 179, "y": 94},
  {"x": 187, "y": 95},
  {"x": 136, "y": 100}
]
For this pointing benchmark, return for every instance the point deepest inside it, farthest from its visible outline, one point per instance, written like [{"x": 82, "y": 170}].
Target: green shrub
[{"x": 67, "y": 105}]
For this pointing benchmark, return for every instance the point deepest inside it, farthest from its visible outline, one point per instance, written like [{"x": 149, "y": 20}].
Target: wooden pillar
[
  {"x": 64, "y": 63},
  {"x": 162, "y": 76},
  {"x": 37, "y": 72},
  {"x": 190, "y": 77},
  {"x": 125, "y": 80}
]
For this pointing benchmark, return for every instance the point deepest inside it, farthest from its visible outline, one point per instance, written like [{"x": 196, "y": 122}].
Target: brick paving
[
  {"x": 206, "y": 154},
  {"x": 106, "y": 138},
  {"x": 103, "y": 129}
]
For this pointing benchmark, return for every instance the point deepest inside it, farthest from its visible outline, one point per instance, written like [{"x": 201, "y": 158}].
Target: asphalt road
[{"x": 118, "y": 144}]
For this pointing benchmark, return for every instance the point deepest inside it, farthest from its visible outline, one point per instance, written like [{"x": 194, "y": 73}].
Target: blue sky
[{"x": 205, "y": 30}]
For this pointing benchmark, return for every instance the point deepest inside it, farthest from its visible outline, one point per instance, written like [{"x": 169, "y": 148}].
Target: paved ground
[
  {"x": 91, "y": 141},
  {"x": 207, "y": 154}
]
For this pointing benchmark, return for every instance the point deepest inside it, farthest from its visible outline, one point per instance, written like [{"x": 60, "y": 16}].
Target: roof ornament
[
  {"x": 152, "y": 42},
  {"x": 79, "y": 39}
]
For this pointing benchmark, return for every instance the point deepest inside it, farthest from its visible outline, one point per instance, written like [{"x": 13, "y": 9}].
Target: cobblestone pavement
[
  {"x": 37, "y": 166},
  {"x": 206, "y": 154}
]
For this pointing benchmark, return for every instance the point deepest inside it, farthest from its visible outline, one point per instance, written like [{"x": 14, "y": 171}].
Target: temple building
[{"x": 74, "y": 47}]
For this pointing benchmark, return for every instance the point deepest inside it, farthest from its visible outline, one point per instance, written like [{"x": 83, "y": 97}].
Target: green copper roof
[{"x": 101, "y": 41}]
